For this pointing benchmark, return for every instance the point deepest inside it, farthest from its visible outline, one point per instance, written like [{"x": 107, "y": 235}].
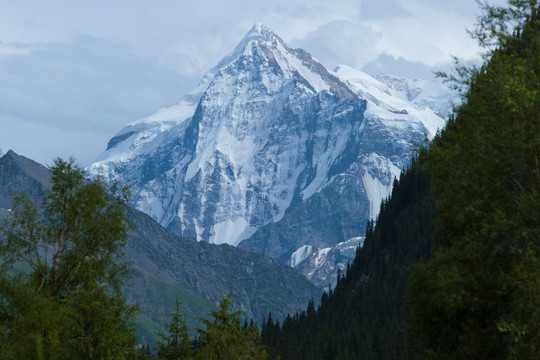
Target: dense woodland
[
  {"x": 478, "y": 294},
  {"x": 61, "y": 273},
  {"x": 449, "y": 270},
  {"x": 365, "y": 317}
]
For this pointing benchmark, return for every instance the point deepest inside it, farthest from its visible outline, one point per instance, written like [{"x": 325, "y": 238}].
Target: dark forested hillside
[
  {"x": 364, "y": 317},
  {"x": 20, "y": 174},
  {"x": 476, "y": 295}
]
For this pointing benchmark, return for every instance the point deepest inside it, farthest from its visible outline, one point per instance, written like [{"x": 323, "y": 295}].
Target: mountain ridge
[
  {"x": 271, "y": 152},
  {"x": 268, "y": 74}
]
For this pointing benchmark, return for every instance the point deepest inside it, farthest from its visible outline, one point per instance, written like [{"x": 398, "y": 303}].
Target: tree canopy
[
  {"x": 61, "y": 272},
  {"x": 478, "y": 296},
  {"x": 175, "y": 344},
  {"x": 225, "y": 339}
]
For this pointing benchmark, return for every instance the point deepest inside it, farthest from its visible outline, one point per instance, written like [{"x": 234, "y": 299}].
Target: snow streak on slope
[
  {"x": 397, "y": 105},
  {"x": 320, "y": 266},
  {"x": 273, "y": 153},
  {"x": 270, "y": 124},
  {"x": 143, "y": 136},
  {"x": 300, "y": 255},
  {"x": 375, "y": 189},
  {"x": 339, "y": 209}
]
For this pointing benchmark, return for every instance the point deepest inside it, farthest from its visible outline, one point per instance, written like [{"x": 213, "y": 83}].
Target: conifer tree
[
  {"x": 224, "y": 339},
  {"x": 364, "y": 316},
  {"x": 478, "y": 296},
  {"x": 176, "y": 345}
]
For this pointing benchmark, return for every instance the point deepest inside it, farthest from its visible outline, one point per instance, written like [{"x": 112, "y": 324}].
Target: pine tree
[
  {"x": 144, "y": 353},
  {"x": 224, "y": 339},
  {"x": 364, "y": 317},
  {"x": 176, "y": 345}
]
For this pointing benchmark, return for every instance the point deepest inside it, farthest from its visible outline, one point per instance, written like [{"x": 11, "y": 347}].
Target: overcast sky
[{"x": 73, "y": 73}]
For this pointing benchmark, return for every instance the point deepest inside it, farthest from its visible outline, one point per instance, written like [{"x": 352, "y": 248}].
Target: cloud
[
  {"x": 381, "y": 9},
  {"x": 339, "y": 42},
  {"x": 400, "y": 67},
  {"x": 45, "y": 142},
  {"x": 87, "y": 83},
  {"x": 85, "y": 69},
  {"x": 86, "y": 86}
]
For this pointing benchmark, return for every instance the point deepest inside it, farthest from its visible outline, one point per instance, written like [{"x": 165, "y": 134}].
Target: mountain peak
[
  {"x": 272, "y": 130},
  {"x": 258, "y": 30}
]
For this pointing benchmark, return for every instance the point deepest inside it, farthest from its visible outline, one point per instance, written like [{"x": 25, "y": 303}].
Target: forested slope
[
  {"x": 364, "y": 317},
  {"x": 476, "y": 295}
]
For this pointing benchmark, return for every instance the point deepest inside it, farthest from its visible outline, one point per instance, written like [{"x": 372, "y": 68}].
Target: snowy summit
[{"x": 267, "y": 131}]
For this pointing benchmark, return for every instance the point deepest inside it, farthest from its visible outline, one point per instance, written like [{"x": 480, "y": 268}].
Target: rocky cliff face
[
  {"x": 336, "y": 214},
  {"x": 272, "y": 152},
  {"x": 268, "y": 132}
]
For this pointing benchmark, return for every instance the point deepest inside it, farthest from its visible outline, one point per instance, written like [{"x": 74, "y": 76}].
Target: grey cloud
[
  {"x": 400, "y": 67},
  {"x": 381, "y": 9},
  {"x": 88, "y": 84},
  {"x": 341, "y": 42}
]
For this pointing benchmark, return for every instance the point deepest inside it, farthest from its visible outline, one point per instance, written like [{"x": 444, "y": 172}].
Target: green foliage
[
  {"x": 497, "y": 24},
  {"x": 67, "y": 304},
  {"x": 159, "y": 294},
  {"x": 478, "y": 297},
  {"x": 144, "y": 353},
  {"x": 364, "y": 316},
  {"x": 176, "y": 345},
  {"x": 225, "y": 339}
]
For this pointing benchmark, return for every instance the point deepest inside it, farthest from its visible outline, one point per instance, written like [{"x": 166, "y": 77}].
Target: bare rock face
[
  {"x": 271, "y": 152},
  {"x": 19, "y": 174}
]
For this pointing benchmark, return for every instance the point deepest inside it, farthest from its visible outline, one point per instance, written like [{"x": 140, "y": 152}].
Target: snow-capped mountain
[
  {"x": 266, "y": 132},
  {"x": 271, "y": 152},
  {"x": 320, "y": 266},
  {"x": 421, "y": 93},
  {"x": 312, "y": 233}
]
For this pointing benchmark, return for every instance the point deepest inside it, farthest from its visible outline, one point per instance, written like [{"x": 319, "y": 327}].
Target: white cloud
[
  {"x": 401, "y": 67},
  {"x": 383, "y": 9},
  {"x": 45, "y": 142},
  {"x": 87, "y": 83},
  {"x": 341, "y": 42},
  {"x": 85, "y": 69}
]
